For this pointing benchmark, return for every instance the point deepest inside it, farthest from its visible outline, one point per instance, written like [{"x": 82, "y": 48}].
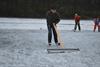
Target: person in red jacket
[
  {"x": 96, "y": 24},
  {"x": 77, "y": 22}
]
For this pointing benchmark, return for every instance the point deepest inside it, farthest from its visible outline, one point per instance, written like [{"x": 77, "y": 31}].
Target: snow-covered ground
[
  {"x": 24, "y": 44},
  {"x": 16, "y": 23}
]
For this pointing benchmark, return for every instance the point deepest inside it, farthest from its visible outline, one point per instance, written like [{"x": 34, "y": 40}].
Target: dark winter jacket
[
  {"x": 52, "y": 17},
  {"x": 96, "y": 21}
]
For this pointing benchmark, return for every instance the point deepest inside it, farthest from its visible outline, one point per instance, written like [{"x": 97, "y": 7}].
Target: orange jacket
[{"x": 77, "y": 18}]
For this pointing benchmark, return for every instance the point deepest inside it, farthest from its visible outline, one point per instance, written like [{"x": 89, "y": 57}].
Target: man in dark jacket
[{"x": 53, "y": 18}]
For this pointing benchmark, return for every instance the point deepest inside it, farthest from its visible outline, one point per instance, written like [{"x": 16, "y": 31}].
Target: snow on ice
[{"x": 24, "y": 44}]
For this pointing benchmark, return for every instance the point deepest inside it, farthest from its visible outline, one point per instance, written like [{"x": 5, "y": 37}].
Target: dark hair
[{"x": 53, "y": 8}]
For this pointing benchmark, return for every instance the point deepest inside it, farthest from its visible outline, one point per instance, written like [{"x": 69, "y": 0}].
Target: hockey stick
[{"x": 59, "y": 36}]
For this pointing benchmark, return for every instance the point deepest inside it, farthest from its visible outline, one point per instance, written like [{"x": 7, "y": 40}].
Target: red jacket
[{"x": 77, "y": 18}]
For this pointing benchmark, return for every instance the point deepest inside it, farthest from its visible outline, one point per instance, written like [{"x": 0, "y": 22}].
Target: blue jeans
[
  {"x": 51, "y": 29},
  {"x": 77, "y": 24}
]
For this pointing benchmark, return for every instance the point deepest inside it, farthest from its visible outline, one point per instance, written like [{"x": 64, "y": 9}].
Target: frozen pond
[
  {"x": 16, "y": 23},
  {"x": 23, "y": 44}
]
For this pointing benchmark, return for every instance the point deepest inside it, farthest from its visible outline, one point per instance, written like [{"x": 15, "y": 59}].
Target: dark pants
[
  {"x": 77, "y": 24},
  {"x": 51, "y": 29},
  {"x": 99, "y": 28},
  {"x": 96, "y": 25}
]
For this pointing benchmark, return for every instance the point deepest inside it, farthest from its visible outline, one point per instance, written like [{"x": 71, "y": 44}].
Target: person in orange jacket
[
  {"x": 77, "y": 22},
  {"x": 96, "y": 24}
]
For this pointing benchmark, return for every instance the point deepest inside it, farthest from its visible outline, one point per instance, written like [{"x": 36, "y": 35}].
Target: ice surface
[
  {"x": 23, "y": 46},
  {"x": 16, "y": 23}
]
